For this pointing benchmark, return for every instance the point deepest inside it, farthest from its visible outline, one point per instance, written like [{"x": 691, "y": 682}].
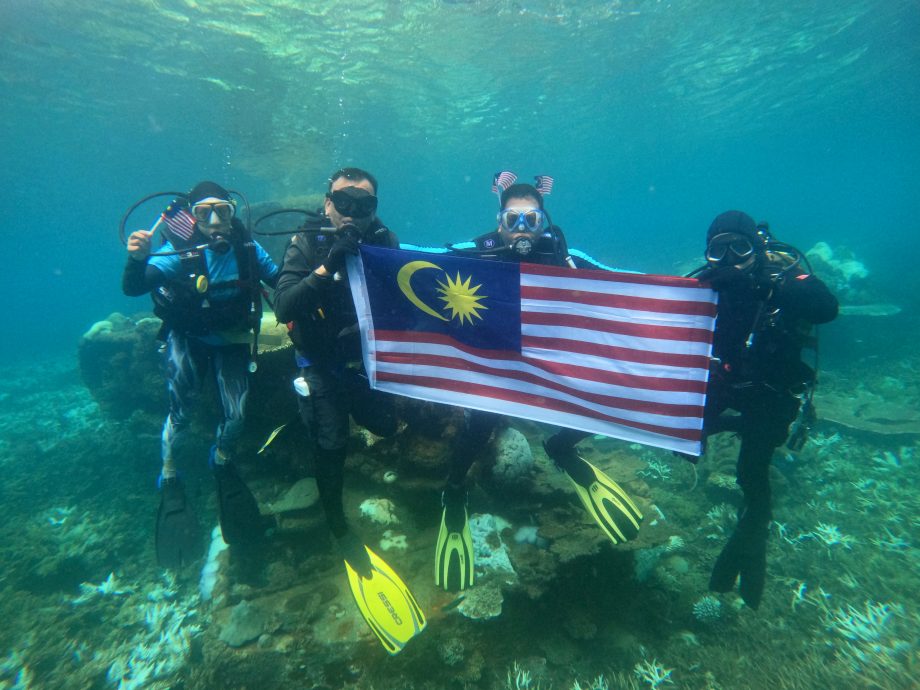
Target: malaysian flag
[
  {"x": 502, "y": 180},
  {"x": 179, "y": 220},
  {"x": 544, "y": 184},
  {"x": 618, "y": 354}
]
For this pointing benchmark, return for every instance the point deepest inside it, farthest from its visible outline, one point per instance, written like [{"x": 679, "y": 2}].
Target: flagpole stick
[{"x": 156, "y": 225}]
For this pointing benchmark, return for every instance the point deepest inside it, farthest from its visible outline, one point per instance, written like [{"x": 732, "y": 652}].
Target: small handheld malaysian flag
[
  {"x": 501, "y": 181},
  {"x": 179, "y": 220},
  {"x": 544, "y": 184}
]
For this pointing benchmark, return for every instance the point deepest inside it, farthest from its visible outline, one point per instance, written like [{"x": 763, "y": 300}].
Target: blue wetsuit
[{"x": 213, "y": 330}]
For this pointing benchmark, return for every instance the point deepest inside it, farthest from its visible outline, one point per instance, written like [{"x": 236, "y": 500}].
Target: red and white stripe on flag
[
  {"x": 619, "y": 354},
  {"x": 180, "y": 221}
]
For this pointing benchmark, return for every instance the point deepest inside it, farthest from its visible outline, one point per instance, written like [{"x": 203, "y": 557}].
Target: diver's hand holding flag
[{"x": 618, "y": 354}]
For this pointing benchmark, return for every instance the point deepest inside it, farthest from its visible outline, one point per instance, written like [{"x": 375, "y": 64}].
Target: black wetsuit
[
  {"x": 758, "y": 373},
  {"x": 328, "y": 351}
]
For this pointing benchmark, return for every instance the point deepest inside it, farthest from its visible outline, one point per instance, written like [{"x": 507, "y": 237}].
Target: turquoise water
[{"x": 652, "y": 116}]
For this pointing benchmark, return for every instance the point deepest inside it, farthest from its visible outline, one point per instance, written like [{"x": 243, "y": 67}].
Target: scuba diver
[
  {"x": 768, "y": 305},
  {"x": 525, "y": 233},
  {"x": 314, "y": 298},
  {"x": 206, "y": 286}
]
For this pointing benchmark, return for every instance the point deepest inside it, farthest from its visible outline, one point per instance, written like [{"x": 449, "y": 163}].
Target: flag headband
[{"x": 504, "y": 179}]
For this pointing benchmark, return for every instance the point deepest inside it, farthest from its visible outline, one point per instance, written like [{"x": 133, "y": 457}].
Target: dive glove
[
  {"x": 342, "y": 247},
  {"x": 726, "y": 278}
]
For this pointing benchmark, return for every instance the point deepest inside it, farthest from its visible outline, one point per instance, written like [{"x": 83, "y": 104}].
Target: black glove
[
  {"x": 744, "y": 555},
  {"x": 342, "y": 247},
  {"x": 726, "y": 278}
]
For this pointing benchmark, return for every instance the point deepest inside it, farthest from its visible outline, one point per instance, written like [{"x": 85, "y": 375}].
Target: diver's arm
[
  {"x": 140, "y": 277},
  {"x": 806, "y": 297},
  {"x": 392, "y": 240},
  {"x": 268, "y": 270},
  {"x": 298, "y": 289}
]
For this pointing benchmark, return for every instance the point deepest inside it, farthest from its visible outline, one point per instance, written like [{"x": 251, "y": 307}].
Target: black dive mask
[
  {"x": 730, "y": 249},
  {"x": 353, "y": 202}
]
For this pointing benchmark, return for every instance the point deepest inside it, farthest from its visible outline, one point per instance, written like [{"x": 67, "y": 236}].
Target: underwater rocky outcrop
[{"x": 841, "y": 271}]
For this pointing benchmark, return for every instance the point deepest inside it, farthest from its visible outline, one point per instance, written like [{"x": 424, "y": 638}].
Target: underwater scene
[{"x": 247, "y": 543}]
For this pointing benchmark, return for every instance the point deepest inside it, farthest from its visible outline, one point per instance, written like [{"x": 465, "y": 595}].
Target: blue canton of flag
[{"x": 476, "y": 303}]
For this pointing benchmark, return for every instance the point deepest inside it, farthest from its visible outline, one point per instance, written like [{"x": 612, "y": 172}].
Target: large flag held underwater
[{"x": 618, "y": 354}]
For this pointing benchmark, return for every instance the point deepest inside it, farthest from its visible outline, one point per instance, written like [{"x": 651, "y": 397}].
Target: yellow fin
[{"x": 386, "y": 604}]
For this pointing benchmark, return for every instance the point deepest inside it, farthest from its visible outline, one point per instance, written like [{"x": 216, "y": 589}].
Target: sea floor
[{"x": 84, "y": 604}]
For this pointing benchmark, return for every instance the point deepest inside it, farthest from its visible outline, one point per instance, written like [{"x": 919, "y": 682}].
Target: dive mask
[
  {"x": 353, "y": 202},
  {"x": 521, "y": 219},
  {"x": 224, "y": 211},
  {"x": 729, "y": 248}
]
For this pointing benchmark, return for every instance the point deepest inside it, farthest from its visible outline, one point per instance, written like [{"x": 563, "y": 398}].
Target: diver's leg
[
  {"x": 604, "y": 500},
  {"x": 466, "y": 447},
  {"x": 560, "y": 447},
  {"x": 374, "y": 410},
  {"x": 177, "y": 536},
  {"x": 767, "y": 415},
  {"x": 238, "y": 510},
  {"x": 454, "y": 558},
  {"x": 325, "y": 414},
  {"x": 231, "y": 366},
  {"x": 183, "y": 368},
  {"x": 745, "y": 553},
  {"x": 469, "y": 444}
]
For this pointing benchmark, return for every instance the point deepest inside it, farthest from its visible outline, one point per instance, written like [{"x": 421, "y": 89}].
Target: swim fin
[
  {"x": 240, "y": 519},
  {"x": 386, "y": 604},
  {"x": 453, "y": 561},
  {"x": 604, "y": 500},
  {"x": 178, "y": 537}
]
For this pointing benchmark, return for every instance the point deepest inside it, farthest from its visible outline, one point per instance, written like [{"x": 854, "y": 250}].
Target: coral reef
[
  {"x": 482, "y": 602},
  {"x": 380, "y": 511},
  {"x": 707, "y": 609},
  {"x": 86, "y": 606},
  {"x": 492, "y": 555},
  {"x": 843, "y": 273},
  {"x": 393, "y": 542},
  {"x": 513, "y": 457}
]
